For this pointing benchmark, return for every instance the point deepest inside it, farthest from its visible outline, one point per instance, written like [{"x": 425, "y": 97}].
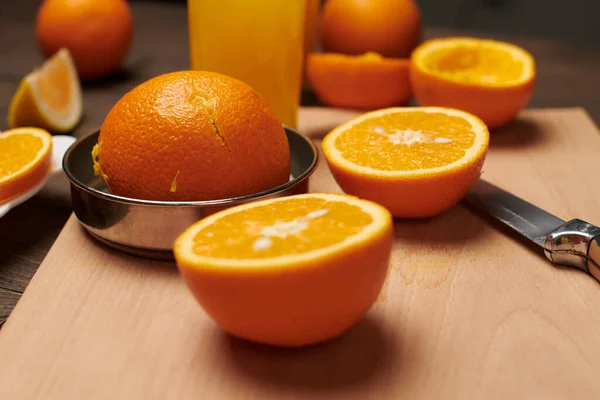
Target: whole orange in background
[
  {"x": 98, "y": 33},
  {"x": 191, "y": 136},
  {"x": 364, "y": 82},
  {"x": 391, "y": 28}
]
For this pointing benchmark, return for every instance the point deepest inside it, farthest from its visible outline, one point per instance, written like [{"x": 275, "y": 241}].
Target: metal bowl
[{"x": 149, "y": 228}]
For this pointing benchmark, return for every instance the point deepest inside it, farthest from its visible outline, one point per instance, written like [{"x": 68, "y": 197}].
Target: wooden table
[{"x": 566, "y": 77}]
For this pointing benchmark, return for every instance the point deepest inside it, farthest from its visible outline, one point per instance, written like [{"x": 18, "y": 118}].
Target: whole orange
[
  {"x": 191, "y": 136},
  {"x": 391, "y": 28},
  {"x": 97, "y": 33}
]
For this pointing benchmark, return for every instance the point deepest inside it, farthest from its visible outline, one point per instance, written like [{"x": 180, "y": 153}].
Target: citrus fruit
[
  {"x": 491, "y": 79},
  {"x": 416, "y": 161},
  {"x": 191, "y": 136},
  {"x": 364, "y": 82},
  {"x": 391, "y": 28},
  {"x": 26, "y": 158},
  {"x": 291, "y": 271},
  {"x": 97, "y": 33},
  {"x": 49, "y": 97}
]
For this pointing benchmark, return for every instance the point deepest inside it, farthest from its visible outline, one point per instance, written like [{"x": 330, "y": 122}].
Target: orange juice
[{"x": 259, "y": 42}]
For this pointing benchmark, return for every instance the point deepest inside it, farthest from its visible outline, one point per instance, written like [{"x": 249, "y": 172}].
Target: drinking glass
[{"x": 259, "y": 42}]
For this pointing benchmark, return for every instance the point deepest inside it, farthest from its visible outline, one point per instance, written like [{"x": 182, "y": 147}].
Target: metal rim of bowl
[{"x": 127, "y": 200}]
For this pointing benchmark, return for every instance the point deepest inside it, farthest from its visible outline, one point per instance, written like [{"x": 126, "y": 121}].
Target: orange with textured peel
[
  {"x": 191, "y": 136},
  {"x": 364, "y": 82},
  {"x": 416, "y": 161},
  {"x": 25, "y": 161},
  {"x": 98, "y": 33},
  {"x": 391, "y": 28},
  {"x": 291, "y": 271},
  {"x": 49, "y": 97},
  {"x": 491, "y": 79}
]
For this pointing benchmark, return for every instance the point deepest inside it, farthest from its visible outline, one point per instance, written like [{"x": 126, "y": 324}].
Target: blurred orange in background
[
  {"x": 391, "y": 28},
  {"x": 97, "y": 33},
  {"x": 366, "y": 46},
  {"x": 491, "y": 79},
  {"x": 362, "y": 82}
]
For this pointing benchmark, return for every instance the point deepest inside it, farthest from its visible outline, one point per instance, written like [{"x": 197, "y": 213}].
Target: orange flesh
[
  {"x": 281, "y": 229},
  {"x": 391, "y": 150},
  {"x": 55, "y": 75},
  {"x": 474, "y": 64},
  {"x": 17, "y": 151}
]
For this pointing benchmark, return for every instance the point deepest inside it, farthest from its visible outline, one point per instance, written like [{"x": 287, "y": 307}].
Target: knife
[{"x": 575, "y": 243}]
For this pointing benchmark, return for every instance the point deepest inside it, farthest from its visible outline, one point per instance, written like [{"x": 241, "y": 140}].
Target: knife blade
[{"x": 574, "y": 243}]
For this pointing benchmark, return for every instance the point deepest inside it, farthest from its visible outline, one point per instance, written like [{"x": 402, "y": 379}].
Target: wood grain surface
[{"x": 467, "y": 311}]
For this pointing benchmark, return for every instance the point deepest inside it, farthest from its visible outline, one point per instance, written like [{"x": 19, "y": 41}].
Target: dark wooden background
[
  {"x": 572, "y": 21},
  {"x": 568, "y": 63}
]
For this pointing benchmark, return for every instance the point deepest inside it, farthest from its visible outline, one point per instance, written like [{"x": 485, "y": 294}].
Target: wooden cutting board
[{"x": 467, "y": 312}]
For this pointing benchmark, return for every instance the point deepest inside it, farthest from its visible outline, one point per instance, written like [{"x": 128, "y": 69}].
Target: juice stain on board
[{"x": 427, "y": 267}]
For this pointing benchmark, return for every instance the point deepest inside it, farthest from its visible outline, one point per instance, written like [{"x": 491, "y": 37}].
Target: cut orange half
[
  {"x": 291, "y": 271},
  {"x": 488, "y": 78},
  {"x": 49, "y": 97},
  {"x": 365, "y": 82},
  {"x": 25, "y": 161},
  {"x": 416, "y": 161}
]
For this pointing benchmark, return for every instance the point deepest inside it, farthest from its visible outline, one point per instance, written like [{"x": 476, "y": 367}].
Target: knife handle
[{"x": 575, "y": 244}]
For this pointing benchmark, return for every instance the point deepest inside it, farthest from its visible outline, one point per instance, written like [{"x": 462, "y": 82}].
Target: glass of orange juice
[{"x": 259, "y": 42}]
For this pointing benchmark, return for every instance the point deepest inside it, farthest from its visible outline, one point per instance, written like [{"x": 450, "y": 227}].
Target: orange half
[
  {"x": 416, "y": 161},
  {"x": 490, "y": 79},
  {"x": 26, "y": 160},
  {"x": 365, "y": 82},
  {"x": 291, "y": 271}
]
